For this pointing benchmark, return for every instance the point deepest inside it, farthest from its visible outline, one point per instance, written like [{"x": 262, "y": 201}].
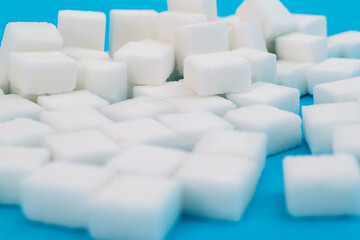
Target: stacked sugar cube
[{"x": 178, "y": 117}]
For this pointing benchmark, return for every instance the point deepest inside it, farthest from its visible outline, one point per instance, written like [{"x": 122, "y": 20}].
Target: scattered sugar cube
[
  {"x": 346, "y": 139},
  {"x": 320, "y": 120},
  {"x": 199, "y": 38},
  {"x": 207, "y": 7},
  {"x": 169, "y": 20},
  {"x": 217, "y": 187},
  {"x": 16, "y": 163},
  {"x": 72, "y": 100},
  {"x": 60, "y": 193},
  {"x": 13, "y": 106},
  {"x": 332, "y": 69},
  {"x": 318, "y": 186},
  {"x": 214, "y": 104},
  {"x": 273, "y": 16},
  {"x": 346, "y": 44},
  {"x": 89, "y": 146},
  {"x": 131, "y": 25},
  {"x": 74, "y": 119},
  {"x": 24, "y": 132},
  {"x": 311, "y": 24},
  {"x": 217, "y": 73},
  {"x": 263, "y": 64},
  {"x": 283, "y": 128},
  {"x": 129, "y": 202},
  {"x": 104, "y": 78},
  {"x": 284, "y": 98},
  {"x": 164, "y": 91},
  {"x": 79, "y": 54},
  {"x": 42, "y": 72},
  {"x": 136, "y": 108},
  {"x": 247, "y": 35},
  {"x": 301, "y": 47},
  {"x": 155, "y": 59},
  {"x": 190, "y": 127},
  {"x": 83, "y": 29},
  {"x": 293, "y": 74},
  {"x": 141, "y": 131},
  {"x": 149, "y": 160}
]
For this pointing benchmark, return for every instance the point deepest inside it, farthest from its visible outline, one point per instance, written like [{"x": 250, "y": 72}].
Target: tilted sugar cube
[
  {"x": 128, "y": 202},
  {"x": 284, "y": 98},
  {"x": 263, "y": 64},
  {"x": 106, "y": 79},
  {"x": 90, "y": 146},
  {"x": 217, "y": 73},
  {"x": 301, "y": 47},
  {"x": 207, "y": 7},
  {"x": 148, "y": 160},
  {"x": 60, "y": 193},
  {"x": 82, "y": 29},
  {"x": 155, "y": 59},
  {"x": 42, "y": 72},
  {"x": 247, "y": 35},
  {"x": 346, "y": 44},
  {"x": 16, "y": 163},
  {"x": 190, "y": 127},
  {"x": 199, "y": 38},
  {"x": 24, "y": 132},
  {"x": 311, "y": 24},
  {"x": 79, "y": 54},
  {"x": 319, "y": 186},
  {"x": 346, "y": 140},
  {"x": 205, "y": 188},
  {"x": 320, "y": 120},
  {"x": 131, "y": 25},
  {"x": 283, "y": 128},
  {"x": 332, "y": 69}
]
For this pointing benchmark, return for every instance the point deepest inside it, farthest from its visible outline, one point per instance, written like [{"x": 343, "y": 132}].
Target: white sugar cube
[
  {"x": 169, "y": 20},
  {"x": 284, "y": 98},
  {"x": 319, "y": 186},
  {"x": 24, "y": 132},
  {"x": 129, "y": 202},
  {"x": 332, "y": 69},
  {"x": 347, "y": 44},
  {"x": 273, "y": 16},
  {"x": 338, "y": 91},
  {"x": 60, "y": 193},
  {"x": 141, "y": 131},
  {"x": 263, "y": 64},
  {"x": 320, "y": 120},
  {"x": 346, "y": 140},
  {"x": 190, "y": 127},
  {"x": 16, "y": 163},
  {"x": 247, "y": 35},
  {"x": 13, "y": 106},
  {"x": 164, "y": 91},
  {"x": 207, "y": 7},
  {"x": 104, "y": 78},
  {"x": 199, "y": 38},
  {"x": 214, "y": 104},
  {"x": 72, "y": 100},
  {"x": 89, "y": 146},
  {"x": 79, "y": 54},
  {"x": 311, "y": 24},
  {"x": 283, "y": 128},
  {"x": 231, "y": 20},
  {"x": 301, "y": 47},
  {"x": 155, "y": 59},
  {"x": 136, "y": 108},
  {"x": 293, "y": 74},
  {"x": 334, "y": 49},
  {"x": 42, "y": 72},
  {"x": 74, "y": 119},
  {"x": 148, "y": 160},
  {"x": 217, "y": 73},
  {"x": 131, "y": 25},
  {"x": 217, "y": 187},
  {"x": 83, "y": 29}
]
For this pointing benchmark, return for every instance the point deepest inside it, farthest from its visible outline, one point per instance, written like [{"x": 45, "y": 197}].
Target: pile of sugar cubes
[{"x": 177, "y": 118}]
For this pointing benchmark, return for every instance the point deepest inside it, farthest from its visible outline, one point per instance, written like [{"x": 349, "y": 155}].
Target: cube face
[
  {"x": 247, "y": 35},
  {"x": 346, "y": 140},
  {"x": 301, "y": 47},
  {"x": 60, "y": 193},
  {"x": 79, "y": 54},
  {"x": 320, "y": 120},
  {"x": 131, "y": 25},
  {"x": 346, "y": 44},
  {"x": 207, "y": 7},
  {"x": 322, "y": 185},
  {"x": 311, "y": 24},
  {"x": 42, "y": 72},
  {"x": 217, "y": 73},
  {"x": 156, "y": 210},
  {"x": 231, "y": 20}
]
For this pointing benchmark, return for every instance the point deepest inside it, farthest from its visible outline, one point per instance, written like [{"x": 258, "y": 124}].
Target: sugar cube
[
  {"x": 346, "y": 139},
  {"x": 79, "y": 54},
  {"x": 207, "y": 7},
  {"x": 347, "y": 44},
  {"x": 231, "y": 20},
  {"x": 311, "y": 24},
  {"x": 247, "y": 35}
]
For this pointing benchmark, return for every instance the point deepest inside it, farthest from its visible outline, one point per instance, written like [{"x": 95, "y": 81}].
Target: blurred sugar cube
[
  {"x": 311, "y": 24},
  {"x": 207, "y": 7},
  {"x": 247, "y": 35},
  {"x": 346, "y": 44},
  {"x": 346, "y": 139}
]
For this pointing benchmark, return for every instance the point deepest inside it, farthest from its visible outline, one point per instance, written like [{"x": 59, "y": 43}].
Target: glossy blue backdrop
[{"x": 266, "y": 217}]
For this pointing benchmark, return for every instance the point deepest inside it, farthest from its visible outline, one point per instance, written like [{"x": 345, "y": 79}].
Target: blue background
[{"x": 266, "y": 217}]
